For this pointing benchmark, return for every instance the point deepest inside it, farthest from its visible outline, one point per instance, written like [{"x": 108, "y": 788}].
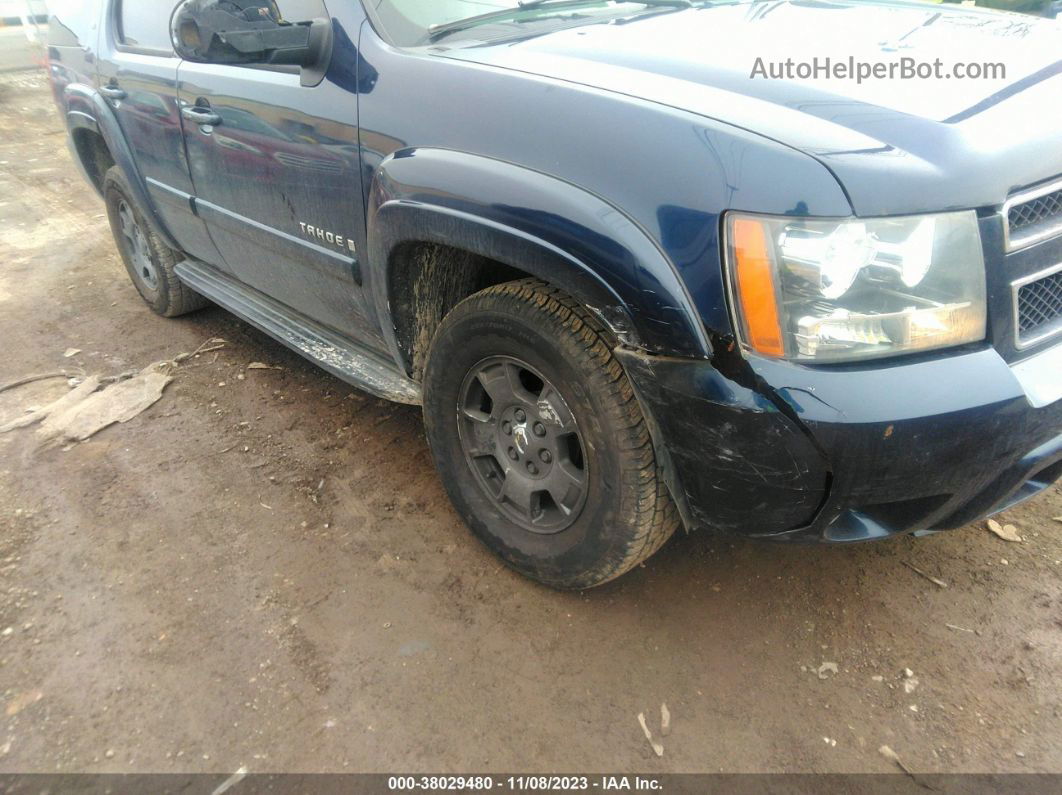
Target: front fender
[
  {"x": 86, "y": 108},
  {"x": 539, "y": 224}
]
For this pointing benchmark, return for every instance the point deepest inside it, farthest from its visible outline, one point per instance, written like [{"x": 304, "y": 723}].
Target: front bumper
[{"x": 854, "y": 453}]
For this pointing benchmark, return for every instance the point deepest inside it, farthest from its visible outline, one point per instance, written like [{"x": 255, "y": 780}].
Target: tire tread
[
  {"x": 655, "y": 514},
  {"x": 178, "y": 298}
]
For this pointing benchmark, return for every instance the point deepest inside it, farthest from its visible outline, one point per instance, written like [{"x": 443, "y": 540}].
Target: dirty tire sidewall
[
  {"x": 627, "y": 514},
  {"x": 168, "y": 297}
]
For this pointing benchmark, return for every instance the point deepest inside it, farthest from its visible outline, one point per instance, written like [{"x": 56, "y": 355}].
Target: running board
[{"x": 358, "y": 366}]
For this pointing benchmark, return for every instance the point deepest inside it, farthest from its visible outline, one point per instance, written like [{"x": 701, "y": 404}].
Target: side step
[{"x": 343, "y": 358}]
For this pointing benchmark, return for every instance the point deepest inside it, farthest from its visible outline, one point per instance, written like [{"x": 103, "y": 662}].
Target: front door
[
  {"x": 274, "y": 161},
  {"x": 138, "y": 77}
]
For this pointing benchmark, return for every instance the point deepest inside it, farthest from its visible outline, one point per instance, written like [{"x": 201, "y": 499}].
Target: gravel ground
[{"x": 262, "y": 570}]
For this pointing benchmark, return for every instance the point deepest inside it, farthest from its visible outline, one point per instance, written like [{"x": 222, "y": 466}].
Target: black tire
[
  {"x": 543, "y": 338},
  {"x": 149, "y": 262}
]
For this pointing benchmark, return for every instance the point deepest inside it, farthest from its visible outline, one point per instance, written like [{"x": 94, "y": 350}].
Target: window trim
[{"x": 375, "y": 24}]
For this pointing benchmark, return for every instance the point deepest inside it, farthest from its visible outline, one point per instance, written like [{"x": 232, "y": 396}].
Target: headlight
[{"x": 827, "y": 291}]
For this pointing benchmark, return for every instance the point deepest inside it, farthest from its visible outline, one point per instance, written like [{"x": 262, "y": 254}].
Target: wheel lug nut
[
  {"x": 540, "y": 429},
  {"x": 507, "y": 428},
  {"x": 545, "y": 456},
  {"x": 512, "y": 453},
  {"x": 532, "y": 468},
  {"x": 519, "y": 414}
]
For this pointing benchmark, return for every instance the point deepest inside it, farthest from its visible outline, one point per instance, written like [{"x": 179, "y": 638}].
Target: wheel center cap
[{"x": 520, "y": 437}]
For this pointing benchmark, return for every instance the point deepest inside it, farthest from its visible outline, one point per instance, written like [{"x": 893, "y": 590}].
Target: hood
[{"x": 896, "y": 145}]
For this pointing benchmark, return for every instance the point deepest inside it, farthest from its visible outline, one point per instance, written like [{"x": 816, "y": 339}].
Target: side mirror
[{"x": 248, "y": 32}]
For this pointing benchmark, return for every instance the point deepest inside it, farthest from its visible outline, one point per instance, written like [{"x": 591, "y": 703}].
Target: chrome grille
[
  {"x": 1034, "y": 215},
  {"x": 1036, "y": 211},
  {"x": 1038, "y": 303}
]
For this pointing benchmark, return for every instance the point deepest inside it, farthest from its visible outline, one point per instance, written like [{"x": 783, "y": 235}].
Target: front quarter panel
[
  {"x": 633, "y": 190},
  {"x": 537, "y": 223}
]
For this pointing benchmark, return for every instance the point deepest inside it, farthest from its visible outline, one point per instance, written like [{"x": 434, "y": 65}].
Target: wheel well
[
  {"x": 94, "y": 154},
  {"x": 427, "y": 280}
]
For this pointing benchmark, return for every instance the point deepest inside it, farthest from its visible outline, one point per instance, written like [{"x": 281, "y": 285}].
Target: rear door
[
  {"x": 138, "y": 76},
  {"x": 275, "y": 167}
]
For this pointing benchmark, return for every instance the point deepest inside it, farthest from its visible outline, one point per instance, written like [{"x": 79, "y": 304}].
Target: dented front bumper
[{"x": 842, "y": 454}]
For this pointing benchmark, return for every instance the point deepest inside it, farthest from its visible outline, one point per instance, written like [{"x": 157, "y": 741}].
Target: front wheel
[{"x": 540, "y": 440}]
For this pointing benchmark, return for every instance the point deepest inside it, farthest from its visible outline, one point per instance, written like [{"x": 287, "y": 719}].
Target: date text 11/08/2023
[{"x": 525, "y": 783}]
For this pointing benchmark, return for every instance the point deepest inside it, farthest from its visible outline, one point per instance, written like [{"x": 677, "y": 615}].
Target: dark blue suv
[{"x": 786, "y": 269}]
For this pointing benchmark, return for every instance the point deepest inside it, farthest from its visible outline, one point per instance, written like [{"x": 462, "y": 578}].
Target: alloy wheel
[
  {"x": 137, "y": 247},
  {"x": 522, "y": 443}
]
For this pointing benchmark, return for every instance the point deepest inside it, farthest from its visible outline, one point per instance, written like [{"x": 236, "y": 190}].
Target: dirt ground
[{"x": 262, "y": 570}]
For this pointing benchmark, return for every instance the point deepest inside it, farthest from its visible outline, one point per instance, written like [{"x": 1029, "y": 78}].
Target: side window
[
  {"x": 302, "y": 9},
  {"x": 145, "y": 23}
]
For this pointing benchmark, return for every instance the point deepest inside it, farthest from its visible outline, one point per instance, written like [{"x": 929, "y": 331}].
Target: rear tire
[
  {"x": 539, "y": 439},
  {"x": 149, "y": 262}
]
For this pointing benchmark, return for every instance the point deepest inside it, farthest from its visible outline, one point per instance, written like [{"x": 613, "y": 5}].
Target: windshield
[{"x": 412, "y": 22}]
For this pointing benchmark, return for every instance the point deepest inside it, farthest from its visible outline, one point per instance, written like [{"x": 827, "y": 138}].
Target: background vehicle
[
  {"x": 632, "y": 286},
  {"x": 1046, "y": 8}
]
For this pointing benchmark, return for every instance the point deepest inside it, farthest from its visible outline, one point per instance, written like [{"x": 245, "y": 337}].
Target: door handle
[
  {"x": 201, "y": 116},
  {"x": 113, "y": 92}
]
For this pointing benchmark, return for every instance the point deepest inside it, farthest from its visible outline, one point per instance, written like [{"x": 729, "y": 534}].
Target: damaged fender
[{"x": 537, "y": 224}]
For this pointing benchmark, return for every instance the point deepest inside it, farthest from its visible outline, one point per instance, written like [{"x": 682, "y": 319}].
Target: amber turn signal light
[{"x": 754, "y": 288}]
